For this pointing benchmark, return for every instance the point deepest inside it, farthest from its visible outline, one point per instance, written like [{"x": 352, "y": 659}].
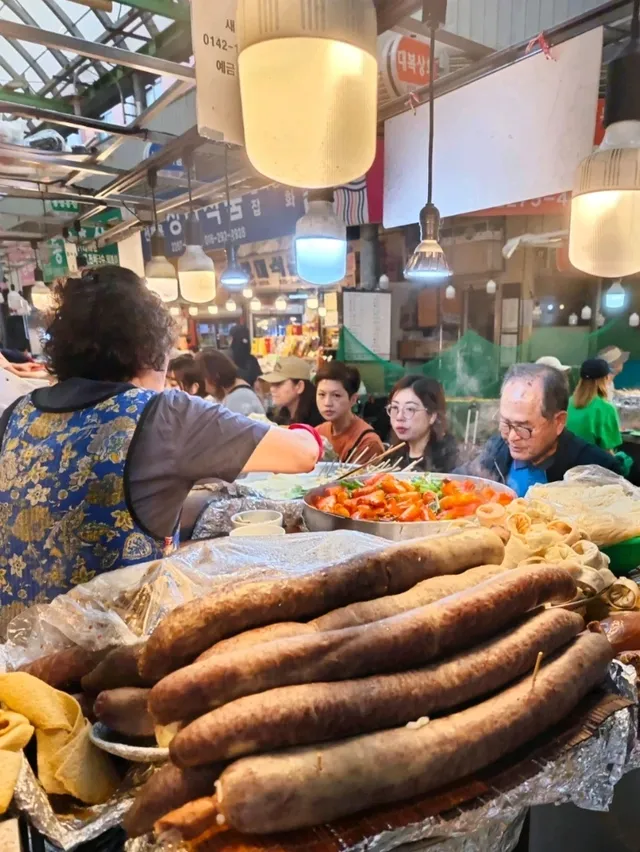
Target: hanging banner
[
  {"x": 215, "y": 48},
  {"x": 258, "y": 216}
]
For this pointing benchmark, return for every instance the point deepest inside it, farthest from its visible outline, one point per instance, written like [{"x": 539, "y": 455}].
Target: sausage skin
[
  {"x": 64, "y": 668},
  {"x": 167, "y": 789},
  {"x": 190, "y": 629},
  {"x": 125, "y": 711},
  {"x": 426, "y": 592},
  {"x": 119, "y": 668},
  {"x": 315, "y": 785},
  {"x": 362, "y": 612},
  {"x": 394, "y": 644},
  {"x": 317, "y": 712}
]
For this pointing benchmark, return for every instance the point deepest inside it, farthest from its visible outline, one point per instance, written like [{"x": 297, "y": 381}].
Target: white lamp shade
[
  {"x": 491, "y": 287},
  {"x": 193, "y": 311},
  {"x": 175, "y": 311},
  {"x": 255, "y": 304},
  {"x": 311, "y": 120},
  {"x": 247, "y": 293},
  {"x": 321, "y": 245},
  {"x": 42, "y": 297},
  {"x": 197, "y": 275},
  {"x": 573, "y": 319},
  {"x": 281, "y": 303},
  {"x": 537, "y": 312},
  {"x": 322, "y": 311},
  {"x": 213, "y": 310},
  {"x": 230, "y": 305},
  {"x": 615, "y": 297},
  {"x": 450, "y": 292},
  {"x": 586, "y": 313},
  {"x": 605, "y": 208},
  {"x": 634, "y": 320},
  {"x": 161, "y": 278},
  {"x": 600, "y": 320},
  {"x": 312, "y": 303}
]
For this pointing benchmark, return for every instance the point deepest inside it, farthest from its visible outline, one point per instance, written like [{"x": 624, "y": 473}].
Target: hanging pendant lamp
[
  {"x": 159, "y": 274},
  {"x": 310, "y": 119},
  {"x": 321, "y": 241},
  {"x": 428, "y": 264},
  {"x": 234, "y": 278},
  {"x": 196, "y": 272},
  {"x": 605, "y": 207}
]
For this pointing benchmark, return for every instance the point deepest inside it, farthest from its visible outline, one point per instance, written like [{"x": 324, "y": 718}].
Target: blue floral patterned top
[{"x": 65, "y": 515}]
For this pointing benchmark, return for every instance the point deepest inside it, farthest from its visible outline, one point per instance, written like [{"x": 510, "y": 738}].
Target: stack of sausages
[{"x": 285, "y": 722}]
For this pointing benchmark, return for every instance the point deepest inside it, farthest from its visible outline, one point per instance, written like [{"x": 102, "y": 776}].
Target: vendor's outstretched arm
[{"x": 284, "y": 451}]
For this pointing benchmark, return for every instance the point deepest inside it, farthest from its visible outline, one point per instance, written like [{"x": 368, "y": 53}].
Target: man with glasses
[{"x": 533, "y": 445}]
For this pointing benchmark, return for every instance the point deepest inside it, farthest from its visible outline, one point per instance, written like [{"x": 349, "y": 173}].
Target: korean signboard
[
  {"x": 266, "y": 214},
  {"x": 215, "y": 47}
]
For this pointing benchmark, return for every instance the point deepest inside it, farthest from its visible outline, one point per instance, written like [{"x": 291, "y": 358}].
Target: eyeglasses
[
  {"x": 408, "y": 411},
  {"x": 525, "y": 433}
]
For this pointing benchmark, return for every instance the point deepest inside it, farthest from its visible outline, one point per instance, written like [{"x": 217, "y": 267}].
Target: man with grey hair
[{"x": 533, "y": 445}]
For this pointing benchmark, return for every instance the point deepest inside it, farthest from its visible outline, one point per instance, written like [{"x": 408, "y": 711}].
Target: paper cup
[
  {"x": 258, "y": 516},
  {"x": 254, "y": 530}
]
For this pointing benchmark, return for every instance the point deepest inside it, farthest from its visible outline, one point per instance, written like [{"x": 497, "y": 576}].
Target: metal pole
[
  {"x": 94, "y": 50},
  {"x": 606, "y": 14}
]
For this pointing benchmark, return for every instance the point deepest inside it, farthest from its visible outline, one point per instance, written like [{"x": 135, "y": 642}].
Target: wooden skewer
[
  {"x": 373, "y": 461},
  {"x": 536, "y": 669}
]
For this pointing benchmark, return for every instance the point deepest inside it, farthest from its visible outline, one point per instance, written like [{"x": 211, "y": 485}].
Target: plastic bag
[
  {"x": 123, "y": 606},
  {"x": 602, "y": 503}
]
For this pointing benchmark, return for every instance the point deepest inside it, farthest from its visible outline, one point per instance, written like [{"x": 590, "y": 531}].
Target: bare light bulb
[
  {"x": 322, "y": 311},
  {"x": 573, "y": 319},
  {"x": 247, "y": 293},
  {"x": 450, "y": 292},
  {"x": 312, "y": 303},
  {"x": 213, "y": 310},
  {"x": 193, "y": 312},
  {"x": 634, "y": 320},
  {"x": 491, "y": 287},
  {"x": 230, "y": 305},
  {"x": 255, "y": 304},
  {"x": 281, "y": 303},
  {"x": 586, "y": 313}
]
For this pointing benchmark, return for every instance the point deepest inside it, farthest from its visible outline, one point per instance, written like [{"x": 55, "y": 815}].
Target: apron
[{"x": 65, "y": 513}]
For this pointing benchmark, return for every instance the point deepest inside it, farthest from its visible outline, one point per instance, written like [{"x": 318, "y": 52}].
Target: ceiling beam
[
  {"x": 27, "y": 99},
  {"x": 472, "y": 49},
  {"x": 107, "y": 53},
  {"x": 392, "y": 11},
  {"x": 175, "y": 11}
]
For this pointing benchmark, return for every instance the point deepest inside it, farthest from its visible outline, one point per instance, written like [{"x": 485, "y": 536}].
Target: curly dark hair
[{"x": 107, "y": 326}]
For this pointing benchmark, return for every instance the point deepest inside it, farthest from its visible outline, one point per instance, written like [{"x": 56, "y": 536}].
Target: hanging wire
[
  {"x": 635, "y": 21},
  {"x": 153, "y": 182},
  {"x": 226, "y": 181},
  {"x": 432, "y": 72}
]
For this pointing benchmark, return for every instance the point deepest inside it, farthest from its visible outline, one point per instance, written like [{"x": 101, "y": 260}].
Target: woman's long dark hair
[
  {"x": 306, "y": 412},
  {"x": 240, "y": 346},
  {"x": 431, "y": 394}
]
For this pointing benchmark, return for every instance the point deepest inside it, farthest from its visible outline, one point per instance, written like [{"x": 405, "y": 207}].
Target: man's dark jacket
[{"x": 494, "y": 462}]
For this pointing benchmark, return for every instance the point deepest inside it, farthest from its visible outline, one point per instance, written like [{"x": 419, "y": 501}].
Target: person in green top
[{"x": 591, "y": 416}]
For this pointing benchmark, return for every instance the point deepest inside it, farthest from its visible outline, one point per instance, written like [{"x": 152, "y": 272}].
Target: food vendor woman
[{"x": 94, "y": 470}]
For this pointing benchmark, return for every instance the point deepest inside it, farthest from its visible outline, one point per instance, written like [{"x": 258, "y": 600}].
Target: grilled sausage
[
  {"x": 197, "y": 625},
  {"x": 167, "y": 789},
  {"x": 317, "y": 784},
  {"x": 394, "y": 644},
  {"x": 119, "y": 668},
  {"x": 64, "y": 668},
  {"x": 316, "y": 712},
  {"x": 125, "y": 711}
]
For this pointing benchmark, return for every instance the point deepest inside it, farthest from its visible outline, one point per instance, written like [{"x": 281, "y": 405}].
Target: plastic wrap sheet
[
  {"x": 602, "y": 503},
  {"x": 585, "y": 774},
  {"x": 227, "y": 500},
  {"x": 123, "y": 606}
]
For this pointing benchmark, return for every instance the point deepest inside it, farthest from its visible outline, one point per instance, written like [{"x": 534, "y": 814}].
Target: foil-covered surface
[
  {"x": 227, "y": 500},
  {"x": 585, "y": 775},
  {"x": 76, "y": 824}
]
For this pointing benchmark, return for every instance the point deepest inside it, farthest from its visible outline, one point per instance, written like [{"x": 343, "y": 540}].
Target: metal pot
[{"x": 318, "y": 521}]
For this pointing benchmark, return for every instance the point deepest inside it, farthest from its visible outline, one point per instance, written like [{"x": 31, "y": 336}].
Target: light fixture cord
[
  {"x": 432, "y": 71},
  {"x": 188, "y": 162},
  {"x": 635, "y": 21},
  {"x": 153, "y": 179}
]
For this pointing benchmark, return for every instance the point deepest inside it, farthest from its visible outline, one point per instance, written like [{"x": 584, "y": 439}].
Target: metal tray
[{"x": 318, "y": 521}]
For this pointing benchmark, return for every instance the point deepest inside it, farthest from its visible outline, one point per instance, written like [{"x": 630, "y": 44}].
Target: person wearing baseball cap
[
  {"x": 591, "y": 416},
  {"x": 292, "y": 392},
  {"x": 615, "y": 357},
  {"x": 552, "y": 361}
]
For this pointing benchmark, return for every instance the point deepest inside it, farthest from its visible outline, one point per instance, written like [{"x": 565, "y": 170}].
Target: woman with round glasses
[{"x": 418, "y": 413}]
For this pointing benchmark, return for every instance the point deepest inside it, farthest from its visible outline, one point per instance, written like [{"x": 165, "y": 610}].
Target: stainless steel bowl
[{"x": 318, "y": 521}]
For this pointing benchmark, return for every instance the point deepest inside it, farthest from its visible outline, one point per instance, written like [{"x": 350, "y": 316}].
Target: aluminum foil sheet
[
  {"x": 586, "y": 776},
  {"x": 227, "y": 500},
  {"x": 81, "y": 823}
]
